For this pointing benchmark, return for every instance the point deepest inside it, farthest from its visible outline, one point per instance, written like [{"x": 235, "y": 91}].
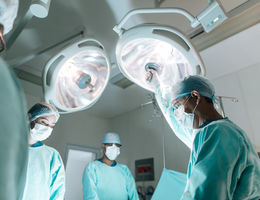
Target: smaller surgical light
[{"x": 76, "y": 77}]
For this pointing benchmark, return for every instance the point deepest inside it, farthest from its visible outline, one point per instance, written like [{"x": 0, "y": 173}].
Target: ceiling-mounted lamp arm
[
  {"x": 39, "y": 9},
  {"x": 193, "y": 21},
  {"x": 209, "y": 18},
  {"x": 23, "y": 22}
]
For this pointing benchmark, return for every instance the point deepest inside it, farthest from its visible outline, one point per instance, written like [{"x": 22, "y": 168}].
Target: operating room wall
[
  {"x": 78, "y": 129},
  {"x": 243, "y": 84},
  {"x": 142, "y": 132}
]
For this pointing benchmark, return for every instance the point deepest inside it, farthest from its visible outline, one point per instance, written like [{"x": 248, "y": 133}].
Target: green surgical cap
[
  {"x": 41, "y": 110},
  {"x": 112, "y": 138},
  {"x": 190, "y": 83}
]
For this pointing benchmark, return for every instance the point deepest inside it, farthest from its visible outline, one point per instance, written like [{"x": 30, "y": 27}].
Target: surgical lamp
[
  {"x": 161, "y": 48},
  {"x": 75, "y": 78}
]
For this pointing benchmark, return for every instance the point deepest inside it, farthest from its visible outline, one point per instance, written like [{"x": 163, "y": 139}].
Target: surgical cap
[
  {"x": 8, "y": 13},
  {"x": 111, "y": 138},
  {"x": 42, "y": 110},
  {"x": 190, "y": 83}
]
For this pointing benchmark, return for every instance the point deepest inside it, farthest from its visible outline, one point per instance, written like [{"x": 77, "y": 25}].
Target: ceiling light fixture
[
  {"x": 76, "y": 77},
  {"x": 162, "y": 48}
]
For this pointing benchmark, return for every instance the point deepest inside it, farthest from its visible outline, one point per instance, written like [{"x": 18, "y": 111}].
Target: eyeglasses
[
  {"x": 111, "y": 144},
  {"x": 178, "y": 103}
]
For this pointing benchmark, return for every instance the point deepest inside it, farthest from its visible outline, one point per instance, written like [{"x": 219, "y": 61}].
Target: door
[{"x": 77, "y": 159}]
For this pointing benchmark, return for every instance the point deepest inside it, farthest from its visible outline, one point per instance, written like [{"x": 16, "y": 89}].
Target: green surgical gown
[
  {"x": 223, "y": 163},
  {"x": 14, "y": 129},
  {"x": 103, "y": 182},
  {"x": 45, "y": 175}
]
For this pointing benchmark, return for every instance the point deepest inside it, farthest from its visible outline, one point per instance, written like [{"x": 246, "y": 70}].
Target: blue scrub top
[
  {"x": 14, "y": 130},
  {"x": 45, "y": 174},
  {"x": 103, "y": 182},
  {"x": 223, "y": 162},
  {"x": 114, "y": 163}
]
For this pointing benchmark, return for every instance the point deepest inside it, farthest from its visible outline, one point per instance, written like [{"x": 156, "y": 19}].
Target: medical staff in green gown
[
  {"x": 13, "y": 118},
  {"x": 105, "y": 179},
  {"x": 223, "y": 162},
  {"x": 45, "y": 178}
]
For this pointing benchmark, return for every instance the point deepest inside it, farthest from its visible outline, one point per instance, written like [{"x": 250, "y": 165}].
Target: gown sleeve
[
  {"x": 131, "y": 187},
  {"x": 89, "y": 183},
  {"x": 14, "y": 130},
  {"x": 215, "y": 154},
  {"x": 57, "y": 186}
]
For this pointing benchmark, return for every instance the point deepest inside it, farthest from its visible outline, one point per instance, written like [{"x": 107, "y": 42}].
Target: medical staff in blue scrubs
[
  {"x": 45, "y": 174},
  {"x": 13, "y": 117},
  {"x": 105, "y": 179},
  {"x": 223, "y": 162}
]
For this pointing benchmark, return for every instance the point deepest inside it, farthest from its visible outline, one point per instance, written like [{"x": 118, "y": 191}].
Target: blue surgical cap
[
  {"x": 42, "y": 110},
  {"x": 190, "y": 83},
  {"x": 111, "y": 138}
]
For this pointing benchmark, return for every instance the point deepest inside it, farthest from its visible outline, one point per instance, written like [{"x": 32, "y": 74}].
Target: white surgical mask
[
  {"x": 112, "y": 152},
  {"x": 185, "y": 119},
  {"x": 40, "y": 132}
]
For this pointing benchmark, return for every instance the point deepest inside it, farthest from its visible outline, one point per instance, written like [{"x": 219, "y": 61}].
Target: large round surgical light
[
  {"x": 161, "y": 48},
  {"x": 164, "y": 49},
  {"x": 76, "y": 77}
]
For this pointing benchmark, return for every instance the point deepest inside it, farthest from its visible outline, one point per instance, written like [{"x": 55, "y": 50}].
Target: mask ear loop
[
  {"x": 2, "y": 38},
  {"x": 195, "y": 106}
]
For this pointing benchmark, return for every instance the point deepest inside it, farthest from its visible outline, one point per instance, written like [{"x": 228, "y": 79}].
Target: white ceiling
[{"x": 98, "y": 17}]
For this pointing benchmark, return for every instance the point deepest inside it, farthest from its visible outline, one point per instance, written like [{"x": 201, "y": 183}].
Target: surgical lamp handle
[{"x": 192, "y": 19}]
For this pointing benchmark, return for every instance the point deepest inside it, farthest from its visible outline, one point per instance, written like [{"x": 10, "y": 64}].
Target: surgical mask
[
  {"x": 186, "y": 120},
  {"x": 40, "y": 132},
  {"x": 112, "y": 152}
]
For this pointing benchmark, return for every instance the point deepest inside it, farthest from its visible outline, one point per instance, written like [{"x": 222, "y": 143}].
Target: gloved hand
[{"x": 153, "y": 79}]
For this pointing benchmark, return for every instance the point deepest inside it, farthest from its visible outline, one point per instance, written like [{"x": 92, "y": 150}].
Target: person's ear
[
  {"x": 32, "y": 124},
  {"x": 103, "y": 147},
  {"x": 196, "y": 96}
]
